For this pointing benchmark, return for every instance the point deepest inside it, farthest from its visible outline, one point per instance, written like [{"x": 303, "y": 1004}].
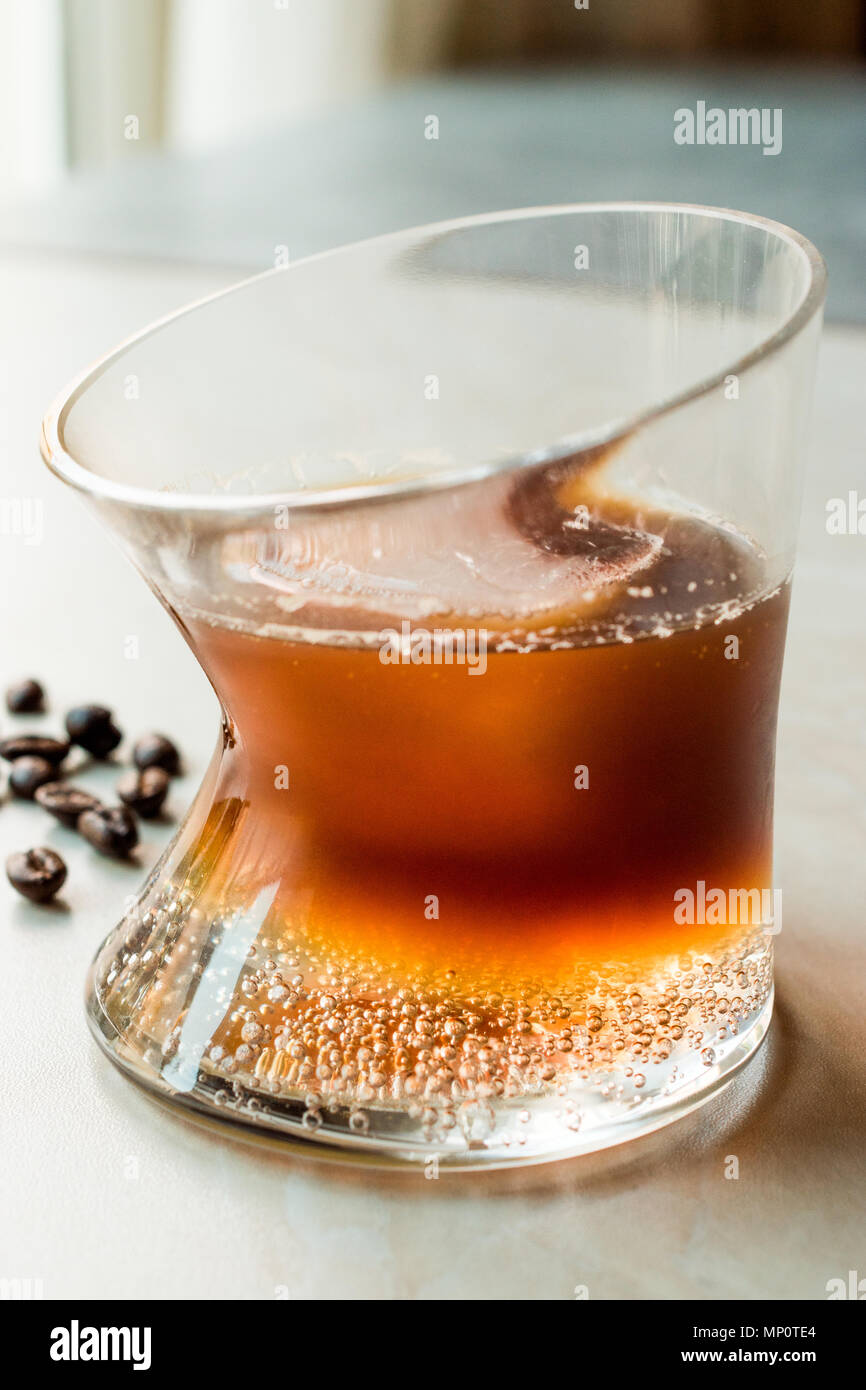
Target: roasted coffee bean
[
  {"x": 155, "y": 750},
  {"x": 37, "y": 874},
  {"x": 66, "y": 803},
  {"x": 28, "y": 774},
  {"x": 53, "y": 750},
  {"x": 25, "y": 697},
  {"x": 145, "y": 791},
  {"x": 92, "y": 728},
  {"x": 110, "y": 829}
]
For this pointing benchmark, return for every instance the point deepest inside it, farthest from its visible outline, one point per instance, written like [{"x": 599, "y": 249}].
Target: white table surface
[{"x": 102, "y": 1193}]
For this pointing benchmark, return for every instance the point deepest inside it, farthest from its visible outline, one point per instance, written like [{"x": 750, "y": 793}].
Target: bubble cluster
[{"x": 459, "y": 1054}]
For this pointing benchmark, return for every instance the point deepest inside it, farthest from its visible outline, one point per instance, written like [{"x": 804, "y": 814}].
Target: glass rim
[{"x": 86, "y": 480}]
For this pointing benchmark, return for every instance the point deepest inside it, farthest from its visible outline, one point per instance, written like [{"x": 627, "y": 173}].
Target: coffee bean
[
  {"x": 110, "y": 829},
  {"x": 53, "y": 750},
  {"x": 145, "y": 791},
  {"x": 37, "y": 874},
  {"x": 66, "y": 803},
  {"x": 25, "y": 697},
  {"x": 92, "y": 728},
  {"x": 28, "y": 774},
  {"x": 155, "y": 750}
]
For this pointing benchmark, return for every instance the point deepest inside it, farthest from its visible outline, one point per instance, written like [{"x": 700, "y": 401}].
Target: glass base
[{"x": 576, "y": 1116}]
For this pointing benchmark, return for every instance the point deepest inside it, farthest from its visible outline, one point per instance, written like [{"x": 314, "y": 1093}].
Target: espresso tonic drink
[{"x": 478, "y": 833}]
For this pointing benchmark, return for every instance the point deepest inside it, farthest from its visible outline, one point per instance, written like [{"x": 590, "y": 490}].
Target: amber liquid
[
  {"x": 460, "y": 864},
  {"x": 546, "y": 809},
  {"x": 421, "y": 884}
]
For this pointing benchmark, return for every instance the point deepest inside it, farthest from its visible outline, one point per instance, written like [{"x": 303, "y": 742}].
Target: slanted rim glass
[{"x": 78, "y": 475}]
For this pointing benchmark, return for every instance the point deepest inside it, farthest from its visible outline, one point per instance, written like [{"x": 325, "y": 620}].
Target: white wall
[
  {"x": 236, "y": 66},
  {"x": 114, "y": 69},
  {"x": 32, "y": 117},
  {"x": 194, "y": 73}
]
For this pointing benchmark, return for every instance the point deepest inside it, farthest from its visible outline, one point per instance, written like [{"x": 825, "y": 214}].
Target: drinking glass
[{"x": 483, "y": 534}]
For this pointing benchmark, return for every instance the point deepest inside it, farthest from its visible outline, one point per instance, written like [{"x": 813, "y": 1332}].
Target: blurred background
[
  {"x": 154, "y": 151},
  {"x": 215, "y": 131}
]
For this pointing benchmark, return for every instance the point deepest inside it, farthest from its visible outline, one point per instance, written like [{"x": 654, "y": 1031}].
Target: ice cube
[{"x": 503, "y": 551}]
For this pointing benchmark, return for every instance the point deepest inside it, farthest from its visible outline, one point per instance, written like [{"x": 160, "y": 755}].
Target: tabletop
[{"x": 107, "y": 1194}]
